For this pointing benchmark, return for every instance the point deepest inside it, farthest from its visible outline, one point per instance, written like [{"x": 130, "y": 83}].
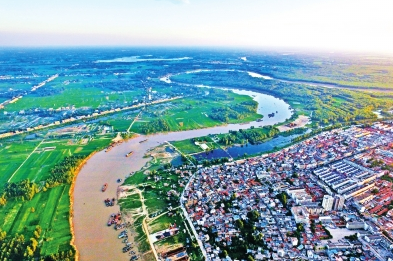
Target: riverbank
[
  {"x": 300, "y": 122},
  {"x": 92, "y": 237},
  {"x": 71, "y": 195}
]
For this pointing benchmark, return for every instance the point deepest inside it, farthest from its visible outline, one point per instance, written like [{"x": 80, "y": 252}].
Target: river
[{"x": 94, "y": 240}]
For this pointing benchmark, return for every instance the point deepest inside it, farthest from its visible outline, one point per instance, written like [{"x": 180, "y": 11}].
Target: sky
[{"x": 332, "y": 25}]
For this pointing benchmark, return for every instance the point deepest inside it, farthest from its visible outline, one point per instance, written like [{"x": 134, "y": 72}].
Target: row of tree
[
  {"x": 63, "y": 172},
  {"x": 235, "y": 112},
  {"x": 158, "y": 125},
  {"x": 252, "y": 135},
  {"x": 23, "y": 189}
]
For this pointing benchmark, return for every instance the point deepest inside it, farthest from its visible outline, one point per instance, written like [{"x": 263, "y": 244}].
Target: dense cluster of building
[{"x": 327, "y": 198}]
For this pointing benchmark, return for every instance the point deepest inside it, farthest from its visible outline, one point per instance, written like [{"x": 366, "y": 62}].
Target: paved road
[{"x": 190, "y": 222}]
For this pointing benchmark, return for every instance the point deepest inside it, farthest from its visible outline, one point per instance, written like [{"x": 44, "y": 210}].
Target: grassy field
[
  {"x": 188, "y": 146},
  {"x": 132, "y": 201},
  {"x": 162, "y": 205},
  {"x": 191, "y": 113}
]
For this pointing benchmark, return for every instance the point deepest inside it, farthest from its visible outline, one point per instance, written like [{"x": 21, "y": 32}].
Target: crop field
[
  {"x": 50, "y": 210},
  {"x": 362, "y": 75},
  {"x": 50, "y": 207},
  {"x": 12, "y": 155},
  {"x": 37, "y": 166},
  {"x": 121, "y": 121}
]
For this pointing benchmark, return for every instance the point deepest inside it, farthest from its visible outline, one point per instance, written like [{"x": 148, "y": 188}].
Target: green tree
[
  {"x": 250, "y": 258},
  {"x": 34, "y": 244},
  {"x": 240, "y": 224}
]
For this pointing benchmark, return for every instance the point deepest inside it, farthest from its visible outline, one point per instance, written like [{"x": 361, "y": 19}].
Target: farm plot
[{"x": 12, "y": 155}]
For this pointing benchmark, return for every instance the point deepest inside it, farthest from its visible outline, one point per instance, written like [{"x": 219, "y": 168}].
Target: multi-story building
[
  {"x": 338, "y": 202},
  {"x": 327, "y": 202}
]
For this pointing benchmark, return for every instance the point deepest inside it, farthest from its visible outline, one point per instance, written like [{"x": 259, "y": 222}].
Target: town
[{"x": 326, "y": 198}]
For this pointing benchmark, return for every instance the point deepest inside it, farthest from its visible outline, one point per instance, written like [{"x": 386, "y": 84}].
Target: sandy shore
[{"x": 300, "y": 122}]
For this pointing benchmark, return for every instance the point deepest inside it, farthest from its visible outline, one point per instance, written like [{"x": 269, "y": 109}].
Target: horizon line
[{"x": 215, "y": 47}]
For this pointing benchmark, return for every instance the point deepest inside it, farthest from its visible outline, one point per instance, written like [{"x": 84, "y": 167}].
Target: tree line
[
  {"x": 235, "y": 112},
  {"x": 252, "y": 135},
  {"x": 158, "y": 125},
  {"x": 61, "y": 173}
]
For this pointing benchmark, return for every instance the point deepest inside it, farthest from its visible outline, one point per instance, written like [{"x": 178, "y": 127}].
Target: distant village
[{"x": 327, "y": 198}]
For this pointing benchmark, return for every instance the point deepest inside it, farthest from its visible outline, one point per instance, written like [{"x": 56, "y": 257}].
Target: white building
[{"x": 327, "y": 202}]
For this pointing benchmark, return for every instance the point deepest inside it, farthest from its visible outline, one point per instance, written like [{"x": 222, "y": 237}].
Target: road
[
  {"x": 25, "y": 160},
  {"x": 170, "y": 144},
  {"x": 144, "y": 224},
  {"x": 376, "y": 254},
  {"x": 132, "y": 123},
  {"x": 190, "y": 222}
]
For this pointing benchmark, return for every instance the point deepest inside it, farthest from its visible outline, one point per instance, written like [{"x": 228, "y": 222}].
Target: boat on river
[
  {"x": 129, "y": 153},
  {"x": 104, "y": 187}
]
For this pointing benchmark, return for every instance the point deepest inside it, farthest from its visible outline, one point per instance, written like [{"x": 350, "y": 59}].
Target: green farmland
[
  {"x": 68, "y": 91},
  {"x": 49, "y": 209},
  {"x": 191, "y": 113}
]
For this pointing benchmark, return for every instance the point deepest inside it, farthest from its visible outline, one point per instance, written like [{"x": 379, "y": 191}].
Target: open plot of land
[
  {"x": 300, "y": 122},
  {"x": 340, "y": 233},
  {"x": 159, "y": 194},
  {"x": 12, "y": 155}
]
